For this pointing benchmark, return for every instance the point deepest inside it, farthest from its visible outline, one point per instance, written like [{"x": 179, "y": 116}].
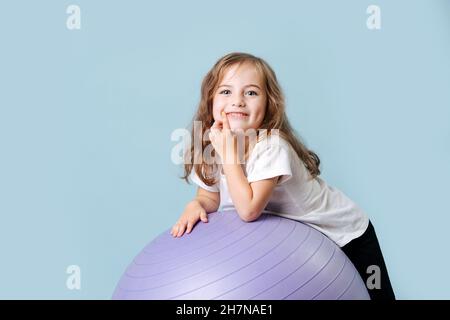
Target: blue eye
[
  {"x": 221, "y": 92},
  {"x": 255, "y": 93}
]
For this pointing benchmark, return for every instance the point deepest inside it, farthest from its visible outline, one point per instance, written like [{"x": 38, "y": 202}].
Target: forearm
[
  {"x": 240, "y": 191},
  {"x": 210, "y": 205}
]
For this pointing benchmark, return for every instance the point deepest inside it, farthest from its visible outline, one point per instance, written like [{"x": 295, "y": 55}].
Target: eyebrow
[{"x": 249, "y": 85}]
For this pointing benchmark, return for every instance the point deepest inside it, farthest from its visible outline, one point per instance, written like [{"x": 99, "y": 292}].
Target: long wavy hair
[{"x": 275, "y": 116}]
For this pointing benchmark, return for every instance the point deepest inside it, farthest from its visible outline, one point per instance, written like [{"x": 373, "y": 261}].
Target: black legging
[{"x": 365, "y": 251}]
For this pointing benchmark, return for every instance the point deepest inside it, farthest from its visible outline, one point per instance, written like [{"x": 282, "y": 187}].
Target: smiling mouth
[{"x": 237, "y": 114}]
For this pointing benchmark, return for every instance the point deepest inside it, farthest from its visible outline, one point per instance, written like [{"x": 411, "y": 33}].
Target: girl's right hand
[{"x": 192, "y": 213}]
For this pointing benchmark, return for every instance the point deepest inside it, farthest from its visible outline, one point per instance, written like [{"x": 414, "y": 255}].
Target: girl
[{"x": 279, "y": 175}]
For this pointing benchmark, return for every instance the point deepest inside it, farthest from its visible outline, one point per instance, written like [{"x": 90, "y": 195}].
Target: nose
[{"x": 238, "y": 102}]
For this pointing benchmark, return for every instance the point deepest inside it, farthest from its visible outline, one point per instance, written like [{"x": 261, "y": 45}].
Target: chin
[
  {"x": 235, "y": 128},
  {"x": 238, "y": 125}
]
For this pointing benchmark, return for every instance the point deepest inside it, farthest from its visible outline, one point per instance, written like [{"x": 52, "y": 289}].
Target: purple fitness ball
[{"x": 271, "y": 258}]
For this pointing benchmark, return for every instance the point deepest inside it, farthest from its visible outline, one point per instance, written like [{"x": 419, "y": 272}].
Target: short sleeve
[
  {"x": 196, "y": 179},
  {"x": 269, "y": 160}
]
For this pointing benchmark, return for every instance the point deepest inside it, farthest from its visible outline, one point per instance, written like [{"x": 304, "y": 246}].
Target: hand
[
  {"x": 192, "y": 213},
  {"x": 224, "y": 140}
]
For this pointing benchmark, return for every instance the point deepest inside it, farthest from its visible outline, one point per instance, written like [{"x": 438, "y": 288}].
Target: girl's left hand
[{"x": 224, "y": 140}]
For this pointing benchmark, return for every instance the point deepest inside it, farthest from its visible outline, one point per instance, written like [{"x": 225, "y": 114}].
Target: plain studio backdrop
[{"x": 87, "y": 111}]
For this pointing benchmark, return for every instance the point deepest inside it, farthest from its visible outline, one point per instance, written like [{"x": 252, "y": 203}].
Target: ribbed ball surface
[{"x": 271, "y": 258}]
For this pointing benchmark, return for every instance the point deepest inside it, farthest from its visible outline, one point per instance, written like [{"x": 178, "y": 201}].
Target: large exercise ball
[{"x": 271, "y": 258}]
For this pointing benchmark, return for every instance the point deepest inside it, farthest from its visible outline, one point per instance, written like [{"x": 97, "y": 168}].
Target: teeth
[{"x": 237, "y": 114}]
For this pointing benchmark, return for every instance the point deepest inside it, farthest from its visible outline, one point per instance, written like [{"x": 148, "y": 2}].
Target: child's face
[{"x": 242, "y": 96}]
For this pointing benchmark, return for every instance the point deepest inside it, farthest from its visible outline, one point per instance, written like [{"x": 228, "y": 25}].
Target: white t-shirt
[{"x": 296, "y": 196}]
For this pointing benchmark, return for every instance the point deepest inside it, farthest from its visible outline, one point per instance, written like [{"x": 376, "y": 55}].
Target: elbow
[{"x": 249, "y": 216}]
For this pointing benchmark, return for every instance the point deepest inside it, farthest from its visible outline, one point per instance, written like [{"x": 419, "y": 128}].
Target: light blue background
[{"x": 86, "y": 117}]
